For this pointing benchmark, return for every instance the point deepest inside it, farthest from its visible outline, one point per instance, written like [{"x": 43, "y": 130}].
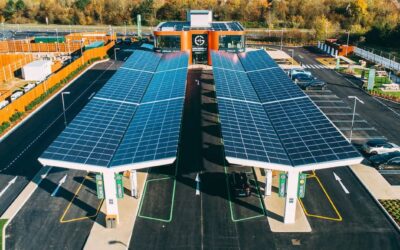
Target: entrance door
[{"x": 200, "y": 48}]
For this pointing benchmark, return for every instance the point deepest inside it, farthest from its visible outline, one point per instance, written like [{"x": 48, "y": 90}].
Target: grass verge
[
  {"x": 393, "y": 208},
  {"x": 2, "y": 223}
]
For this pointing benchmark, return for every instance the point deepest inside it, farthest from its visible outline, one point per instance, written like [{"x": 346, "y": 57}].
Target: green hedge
[{"x": 4, "y": 126}]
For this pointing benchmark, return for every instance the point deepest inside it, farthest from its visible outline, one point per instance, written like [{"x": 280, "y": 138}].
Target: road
[{"x": 19, "y": 153}]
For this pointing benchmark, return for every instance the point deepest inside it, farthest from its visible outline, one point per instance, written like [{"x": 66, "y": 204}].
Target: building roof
[{"x": 185, "y": 26}]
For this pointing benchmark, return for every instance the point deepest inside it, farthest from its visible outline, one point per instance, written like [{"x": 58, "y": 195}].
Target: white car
[
  {"x": 293, "y": 72},
  {"x": 379, "y": 146}
]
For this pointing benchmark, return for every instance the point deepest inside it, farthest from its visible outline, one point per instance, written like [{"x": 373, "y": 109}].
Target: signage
[
  {"x": 282, "y": 184},
  {"x": 199, "y": 43},
  {"x": 199, "y": 40},
  {"x": 100, "y": 186},
  {"x": 120, "y": 186},
  {"x": 371, "y": 79},
  {"x": 302, "y": 185}
]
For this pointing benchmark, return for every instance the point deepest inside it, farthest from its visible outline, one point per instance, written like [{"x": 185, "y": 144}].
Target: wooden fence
[
  {"x": 27, "y": 98},
  {"x": 9, "y": 63}
]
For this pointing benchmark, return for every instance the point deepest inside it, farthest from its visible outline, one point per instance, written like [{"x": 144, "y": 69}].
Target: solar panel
[
  {"x": 153, "y": 133},
  {"x": 166, "y": 85},
  {"x": 234, "y": 84},
  {"x": 256, "y": 60},
  {"x": 94, "y": 134},
  {"x": 125, "y": 85},
  {"x": 248, "y": 134},
  {"x": 173, "y": 61},
  {"x": 306, "y": 134},
  {"x": 274, "y": 85},
  {"x": 226, "y": 60},
  {"x": 143, "y": 60}
]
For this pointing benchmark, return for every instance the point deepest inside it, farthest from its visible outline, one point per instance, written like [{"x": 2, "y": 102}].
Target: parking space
[{"x": 245, "y": 208}]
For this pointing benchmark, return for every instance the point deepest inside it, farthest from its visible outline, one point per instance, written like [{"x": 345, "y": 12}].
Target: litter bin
[{"x": 111, "y": 221}]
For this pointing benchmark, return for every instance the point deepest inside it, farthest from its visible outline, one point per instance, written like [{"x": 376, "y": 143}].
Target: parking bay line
[
  {"x": 339, "y": 217},
  {"x": 262, "y": 206},
  {"x": 71, "y": 201}
]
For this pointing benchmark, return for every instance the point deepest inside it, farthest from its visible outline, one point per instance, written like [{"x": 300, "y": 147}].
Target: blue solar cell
[
  {"x": 153, "y": 133},
  {"x": 234, "y": 84},
  {"x": 306, "y": 134},
  {"x": 248, "y": 134},
  {"x": 226, "y": 60},
  {"x": 274, "y": 85},
  {"x": 94, "y": 134},
  {"x": 256, "y": 60},
  {"x": 143, "y": 60},
  {"x": 126, "y": 85},
  {"x": 166, "y": 85},
  {"x": 172, "y": 61}
]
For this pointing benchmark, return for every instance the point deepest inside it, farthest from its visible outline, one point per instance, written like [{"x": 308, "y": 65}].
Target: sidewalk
[
  {"x": 117, "y": 238},
  {"x": 275, "y": 206},
  {"x": 375, "y": 183}
]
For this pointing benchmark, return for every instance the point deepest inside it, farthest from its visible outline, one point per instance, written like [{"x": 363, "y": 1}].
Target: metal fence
[{"x": 388, "y": 63}]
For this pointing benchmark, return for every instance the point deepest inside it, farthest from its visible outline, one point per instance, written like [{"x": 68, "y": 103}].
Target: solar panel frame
[
  {"x": 256, "y": 60},
  {"x": 143, "y": 60}
]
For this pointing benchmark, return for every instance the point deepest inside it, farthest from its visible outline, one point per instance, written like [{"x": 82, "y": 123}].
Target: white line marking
[
  {"x": 198, "y": 184},
  {"x": 112, "y": 100},
  {"x": 90, "y": 97},
  {"x": 8, "y": 185},
  {"x": 301, "y": 56},
  {"x": 337, "y": 178},
  {"x": 62, "y": 181}
]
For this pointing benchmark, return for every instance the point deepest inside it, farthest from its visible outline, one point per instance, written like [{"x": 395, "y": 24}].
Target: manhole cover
[{"x": 296, "y": 242}]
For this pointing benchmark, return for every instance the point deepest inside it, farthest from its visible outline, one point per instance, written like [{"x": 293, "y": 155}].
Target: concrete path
[
  {"x": 375, "y": 183},
  {"x": 275, "y": 206},
  {"x": 117, "y": 238}
]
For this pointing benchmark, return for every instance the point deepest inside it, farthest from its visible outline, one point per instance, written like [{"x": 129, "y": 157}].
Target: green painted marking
[{"x": 230, "y": 199}]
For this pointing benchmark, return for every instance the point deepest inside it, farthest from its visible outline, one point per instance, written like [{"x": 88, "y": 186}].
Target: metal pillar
[
  {"x": 110, "y": 191},
  {"x": 133, "y": 180},
  {"x": 291, "y": 197},
  {"x": 268, "y": 182}
]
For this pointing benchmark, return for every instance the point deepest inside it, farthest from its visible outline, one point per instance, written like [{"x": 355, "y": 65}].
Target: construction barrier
[
  {"x": 20, "y": 104},
  {"x": 9, "y": 63}
]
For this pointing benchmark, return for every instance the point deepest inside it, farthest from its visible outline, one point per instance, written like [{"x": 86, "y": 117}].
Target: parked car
[
  {"x": 118, "y": 41},
  {"x": 240, "y": 184},
  {"x": 314, "y": 84},
  {"x": 16, "y": 95},
  {"x": 386, "y": 161},
  {"x": 128, "y": 41},
  {"x": 293, "y": 72},
  {"x": 29, "y": 87},
  {"x": 379, "y": 146},
  {"x": 4, "y": 103}
]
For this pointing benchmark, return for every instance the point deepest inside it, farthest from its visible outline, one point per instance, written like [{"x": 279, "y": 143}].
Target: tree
[
  {"x": 20, "y": 6},
  {"x": 9, "y": 10},
  {"x": 325, "y": 29}
]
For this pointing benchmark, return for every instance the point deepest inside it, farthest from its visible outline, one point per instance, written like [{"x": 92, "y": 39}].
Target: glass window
[
  {"x": 168, "y": 42},
  {"x": 234, "y": 43}
]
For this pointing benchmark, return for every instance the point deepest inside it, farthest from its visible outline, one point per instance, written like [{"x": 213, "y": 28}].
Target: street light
[
  {"x": 292, "y": 55},
  {"x": 282, "y": 40},
  {"x": 62, "y": 98},
  {"x": 348, "y": 38},
  {"x": 354, "y": 113},
  {"x": 115, "y": 53}
]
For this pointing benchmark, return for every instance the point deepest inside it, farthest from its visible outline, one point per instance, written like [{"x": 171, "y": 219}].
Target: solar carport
[
  {"x": 133, "y": 122},
  {"x": 269, "y": 122}
]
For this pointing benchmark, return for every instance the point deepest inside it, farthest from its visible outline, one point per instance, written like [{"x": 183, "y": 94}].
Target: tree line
[{"x": 377, "y": 19}]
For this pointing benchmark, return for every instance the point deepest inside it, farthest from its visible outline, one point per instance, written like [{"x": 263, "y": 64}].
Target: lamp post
[
  {"x": 292, "y": 50},
  {"x": 354, "y": 113},
  {"x": 62, "y": 98},
  {"x": 115, "y": 53},
  {"x": 282, "y": 40},
  {"x": 348, "y": 38}
]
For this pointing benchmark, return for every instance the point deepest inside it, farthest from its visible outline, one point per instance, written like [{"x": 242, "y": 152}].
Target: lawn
[
  {"x": 2, "y": 222},
  {"x": 393, "y": 208}
]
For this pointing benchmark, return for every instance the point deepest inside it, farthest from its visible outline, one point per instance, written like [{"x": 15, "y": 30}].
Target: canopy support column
[
  {"x": 110, "y": 190},
  {"x": 133, "y": 179},
  {"x": 268, "y": 182},
  {"x": 291, "y": 196}
]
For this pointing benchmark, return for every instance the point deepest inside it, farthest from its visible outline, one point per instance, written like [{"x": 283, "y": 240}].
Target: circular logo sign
[{"x": 199, "y": 40}]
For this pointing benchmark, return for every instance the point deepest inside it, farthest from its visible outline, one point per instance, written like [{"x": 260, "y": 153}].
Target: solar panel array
[
  {"x": 144, "y": 97},
  {"x": 217, "y": 26},
  {"x": 267, "y": 118}
]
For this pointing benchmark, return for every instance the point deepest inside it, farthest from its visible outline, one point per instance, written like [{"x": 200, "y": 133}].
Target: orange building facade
[{"x": 199, "y": 35}]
